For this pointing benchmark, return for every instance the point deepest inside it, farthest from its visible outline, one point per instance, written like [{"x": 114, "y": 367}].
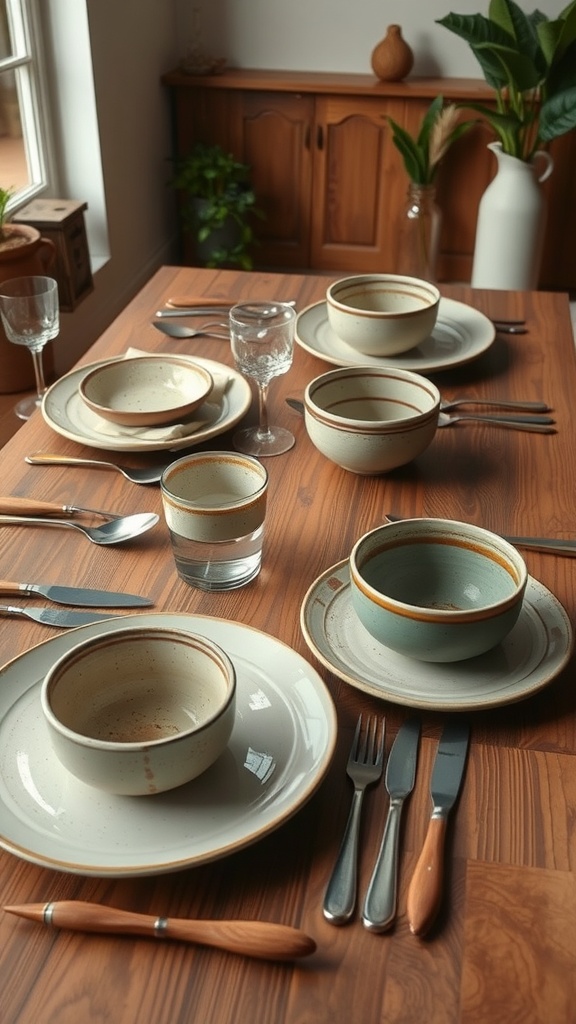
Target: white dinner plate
[
  {"x": 280, "y": 749},
  {"x": 461, "y": 334},
  {"x": 529, "y": 658},
  {"x": 64, "y": 410}
]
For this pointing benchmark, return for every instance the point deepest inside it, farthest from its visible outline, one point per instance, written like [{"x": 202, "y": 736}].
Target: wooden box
[{"x": 62, "y": 221}]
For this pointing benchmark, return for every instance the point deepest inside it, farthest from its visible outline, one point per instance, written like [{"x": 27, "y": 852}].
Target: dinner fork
[{"x": 364, "y": 767}]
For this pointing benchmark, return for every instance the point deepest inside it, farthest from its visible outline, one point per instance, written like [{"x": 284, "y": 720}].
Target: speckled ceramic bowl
[
  {"x": 382, "y": 314},
  {"x": 435, "y": 589},
  {"x": 141, "y": 710},
  {"x": 146, "y": 390},
  {"x": 370, "y": 420}
]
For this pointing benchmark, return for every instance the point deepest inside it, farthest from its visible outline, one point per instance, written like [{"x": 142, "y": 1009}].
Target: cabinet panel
[{"x": 276, "y": 143}]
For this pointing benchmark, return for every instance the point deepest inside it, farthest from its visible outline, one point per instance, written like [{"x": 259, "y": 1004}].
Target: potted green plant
[
  {"x": 530, "y": 62},
  {"x": 218, "y": 205}
]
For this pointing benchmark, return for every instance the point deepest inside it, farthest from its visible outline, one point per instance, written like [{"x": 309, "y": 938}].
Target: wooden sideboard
[{"x": 330, "y": 181}]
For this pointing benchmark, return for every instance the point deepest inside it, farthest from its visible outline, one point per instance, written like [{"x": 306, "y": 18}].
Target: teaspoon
[
  {"x": 114, "y": 532},
  {"x": 179, "y": 331}
]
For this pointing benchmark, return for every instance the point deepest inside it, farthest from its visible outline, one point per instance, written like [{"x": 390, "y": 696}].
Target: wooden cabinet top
[{"x": 331, "y": 82}]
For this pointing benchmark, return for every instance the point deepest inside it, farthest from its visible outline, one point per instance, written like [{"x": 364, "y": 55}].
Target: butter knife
[
  {"x": 381, "y": 898},
  {"x": 55, "y": 617},
  {"x": 544, "y": 544},
  {"x": 83, "y": 597}
]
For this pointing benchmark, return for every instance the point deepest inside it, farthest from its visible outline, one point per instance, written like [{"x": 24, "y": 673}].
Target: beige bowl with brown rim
[
  {"x": 146, "y": 390},
  {"x": 382, "y": 314}
]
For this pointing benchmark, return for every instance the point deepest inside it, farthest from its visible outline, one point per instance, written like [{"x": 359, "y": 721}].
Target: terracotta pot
[
  {"x": 392, "y": 59},
  {"x": 25, "y": 252}
]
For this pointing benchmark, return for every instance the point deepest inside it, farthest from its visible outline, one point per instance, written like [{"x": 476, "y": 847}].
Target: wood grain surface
[{"x": 503, "y": 948}]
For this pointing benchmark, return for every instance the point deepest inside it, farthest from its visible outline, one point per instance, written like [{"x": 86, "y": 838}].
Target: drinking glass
[
  {"x": 262, "y": 339},
  {"x": 31, "y": 317}
]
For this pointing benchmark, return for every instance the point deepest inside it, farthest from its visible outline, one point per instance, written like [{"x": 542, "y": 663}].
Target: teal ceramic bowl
[{"x": 435, "y": 589}]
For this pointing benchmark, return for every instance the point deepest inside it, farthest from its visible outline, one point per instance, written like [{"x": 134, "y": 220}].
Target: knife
[
  {"x": 83, "y": 597},
  {"x": 55, "y": 617},
  {"x": 380, "y": 904},
  {"x": 558, "y": 547},
  {"x": 425, "y": 891}
]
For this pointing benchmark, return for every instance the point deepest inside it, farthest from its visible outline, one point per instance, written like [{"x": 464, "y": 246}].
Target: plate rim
[
  {"x": 431, "y": 705},
  {"x": 420, "y": 366},
  {"x": 32, "y": 852},
  {"x": 127, "y": 444}
]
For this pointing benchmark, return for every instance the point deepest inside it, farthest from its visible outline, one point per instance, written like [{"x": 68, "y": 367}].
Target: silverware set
[
  {"x": 365, "y": 767},
  {"x": 533, "y": 421}
]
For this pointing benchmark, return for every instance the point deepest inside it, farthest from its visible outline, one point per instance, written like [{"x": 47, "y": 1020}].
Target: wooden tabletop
[{"x": 503, "y": 948}]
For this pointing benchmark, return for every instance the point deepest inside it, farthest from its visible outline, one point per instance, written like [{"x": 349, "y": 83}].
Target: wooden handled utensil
[{"x": 261, "y": 939}]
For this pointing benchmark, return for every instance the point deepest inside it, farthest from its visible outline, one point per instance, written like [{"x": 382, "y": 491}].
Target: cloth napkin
[{"x": 209, "y": 412}]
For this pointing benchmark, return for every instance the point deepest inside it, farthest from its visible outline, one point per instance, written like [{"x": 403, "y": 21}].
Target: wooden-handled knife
[{"x": 426, "y": 886}]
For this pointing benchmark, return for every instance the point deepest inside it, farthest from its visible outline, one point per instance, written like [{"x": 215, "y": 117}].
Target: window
[{"x": 23, "y": 153}]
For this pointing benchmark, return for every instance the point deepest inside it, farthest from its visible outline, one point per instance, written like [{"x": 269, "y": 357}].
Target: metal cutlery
[
  {"x": 178, "y": 331},
  {"x": 496, "y": 403},
  {"x": 149, "y": 475},
  {"x": 544, "y": 544},
  {"x": 426, "y": 886},
  {"x": 56, "y": 617},
  {"x": 115, "y": 531},
  {"x": 14, "y": 505},
  {"x": 509, "y": 328},
  {"x": 84, "y": 597},
  {"x": 364, "y": 768},
  {"x": 261, "y": 939},
  {"x": 381, "y": 898},
  {"x": 192, "y": 307},
  {"x": 533, "y": 424}
]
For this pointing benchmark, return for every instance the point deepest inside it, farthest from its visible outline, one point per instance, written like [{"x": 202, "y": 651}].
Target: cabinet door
[
  {"x": 276, "y": 143},
  {"x": 352, "y": 190}
]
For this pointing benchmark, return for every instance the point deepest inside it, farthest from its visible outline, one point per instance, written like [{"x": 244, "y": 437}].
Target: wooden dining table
[{"x": 503, "y": 946}]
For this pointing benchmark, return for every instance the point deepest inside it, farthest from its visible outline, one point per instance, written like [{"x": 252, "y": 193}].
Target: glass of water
[
  {"x": 30, "y": 316},
  {"x": 262, "y": 339}
]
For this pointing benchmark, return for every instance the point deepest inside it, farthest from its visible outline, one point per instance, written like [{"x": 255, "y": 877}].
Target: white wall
[
  {"x": 334, "y": 35},
  {"x": 114, "y": 123}
]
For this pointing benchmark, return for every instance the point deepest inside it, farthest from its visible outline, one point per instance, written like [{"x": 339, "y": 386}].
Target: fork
[{"x": 364, "y": 767}]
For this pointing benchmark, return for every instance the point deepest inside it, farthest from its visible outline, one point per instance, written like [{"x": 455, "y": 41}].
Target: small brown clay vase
[{"x": 392, "y": 59}]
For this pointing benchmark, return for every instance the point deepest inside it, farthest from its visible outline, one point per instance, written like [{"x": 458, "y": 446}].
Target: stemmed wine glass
[
  {"x": 262, "y": 339},
  {"x": 31, "y": 317}
]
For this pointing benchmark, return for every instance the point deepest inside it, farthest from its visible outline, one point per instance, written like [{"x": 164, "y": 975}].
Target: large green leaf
[
  {"x": 517, "y": 68},
  {"x": 558, "y": 115},
  {"x": 475, "y": 28}
]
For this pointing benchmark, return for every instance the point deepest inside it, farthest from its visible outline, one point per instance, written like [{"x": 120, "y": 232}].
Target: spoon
[
  {"x": 178, "y": 331},
  {"x": 114, "y": 532},
  {"x": 496, "y": 404},
  {"x": 148, "y": 475}
]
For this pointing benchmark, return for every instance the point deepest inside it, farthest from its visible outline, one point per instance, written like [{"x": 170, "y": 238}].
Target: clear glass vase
[{"x": 419, "y": 235}]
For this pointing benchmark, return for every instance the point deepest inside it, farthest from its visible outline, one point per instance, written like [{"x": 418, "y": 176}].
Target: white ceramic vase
[{"x": 511, "y": 222}]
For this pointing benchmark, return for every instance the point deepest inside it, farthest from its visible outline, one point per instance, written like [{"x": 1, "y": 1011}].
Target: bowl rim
[
  {"x": 201, "y": 373},
  {"x": 344, "y": 423},
  {"x": 131, "y": 633},
  {"x": 359, "y": 279},
  {"x": 484, "y": 541}
]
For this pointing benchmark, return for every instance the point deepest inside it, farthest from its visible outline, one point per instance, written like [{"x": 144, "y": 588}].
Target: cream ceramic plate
[
  {"x": 280, "y": 749},
  {"x": 528, "y": 659},
  {"x": 461, "y": 334},
  {"x": 64, "y": 411}
]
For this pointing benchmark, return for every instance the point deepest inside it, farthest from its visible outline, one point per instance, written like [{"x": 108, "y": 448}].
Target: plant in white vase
[{"x": 530, "y": 62}]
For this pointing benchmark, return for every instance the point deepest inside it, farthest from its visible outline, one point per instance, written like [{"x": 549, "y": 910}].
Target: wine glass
[
  {"x": 31, "y": 317},
  {"x": 262, "y": 339}
]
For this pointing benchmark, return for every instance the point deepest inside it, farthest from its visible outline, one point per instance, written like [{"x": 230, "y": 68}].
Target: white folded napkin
[{"x": 208, "y": 412}]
